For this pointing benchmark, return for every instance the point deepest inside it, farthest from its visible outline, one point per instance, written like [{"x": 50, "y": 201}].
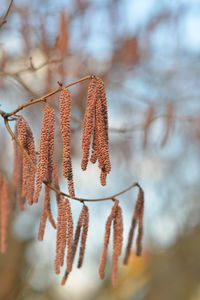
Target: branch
[
  {"x": 135, "y": 184},
  {"x": 3, "y": 19},
  {"x": 43, "y": 98}
]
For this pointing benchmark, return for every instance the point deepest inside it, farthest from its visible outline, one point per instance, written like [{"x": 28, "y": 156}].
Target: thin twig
[
  {"x": 41, "y": 99},
  {"x": 3, "y": 19}
]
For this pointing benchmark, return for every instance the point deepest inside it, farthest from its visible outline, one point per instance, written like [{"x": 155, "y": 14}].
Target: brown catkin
[
  {"x": 103, "y": 177},
  {"x": 47, "y": 204},
  {"x": 65, "y": 116},
  {"x": 43, "y": 154},
  {"x": 45, "y": 168},
  {"x": 102, "y": 94},
  {"x": 137, "y": 217},
  {"x": 71, "y": 187},
  {"x": 50, "y": 159},
  {"x": 50, "y": 163},
  {"x": 117, "y": 243},
  {"x": 30, "y": 168},
  {"x": 46, "y": 213},
  {"x": 64, "y": 227},
  {"x": 26, "y": 139},
  {"x": 88, "y": 123},
  {"x": 140, "y": 214},
  {"x": 130, "y": 240},
  {"x": 45, "y": 164},
  {"x": 4, "y": 212},
  {"x": 75, "y": 243},
  {"x": 78, "y": 230},
  {"x": 102, "y": 131},
  {"x": 69, "y": 237},
  {"x": 106, "y": 240},
  {"x": 17, "y": 174},
  {"x": 84, "y": 236},
  {"x": 96, "y": 123},
  {"x": 42, "y": 226}
]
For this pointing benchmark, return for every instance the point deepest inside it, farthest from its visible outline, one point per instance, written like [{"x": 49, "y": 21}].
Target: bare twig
[
  {"x": 3, "y": 19},
  {"x": 43, "y": 98}
]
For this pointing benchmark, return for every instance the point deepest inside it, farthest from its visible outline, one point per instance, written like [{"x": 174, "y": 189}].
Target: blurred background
[{"x": 148, "y": 54}]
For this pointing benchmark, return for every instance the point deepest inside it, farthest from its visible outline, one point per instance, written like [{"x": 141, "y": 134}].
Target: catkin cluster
[
  {"x": 25, "y": 172},
  {"x": 95, "y": 129},
  {"x": 33, "y": 169}
]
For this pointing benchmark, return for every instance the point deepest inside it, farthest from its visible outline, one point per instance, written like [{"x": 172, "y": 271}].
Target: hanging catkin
[
  {"x": 50, "y": 165},
  {"x": 109, "y": 221},
  {"x": 64, "y": 235},
  {"x": 117, "y": 243},
  {"x": 46, "y": 213},
  {"x": 88, "y": 123},
  {"x": 140, "y": 214},
  {"x": 45, "y": 168},
  {"x": 102, "y": 127},
  {"x": 45, "y": 164},
  {"x": 4, "y": 212},
  {"x": 43, "y": 154},
  {"x": 83, "y": 222},
  {"x": 17, "y": 175},
  {"x": 75, "y": 244},
  {"x": 137, "y": 217},
  {"x": 96, "y": 124},
  {"x": 26, "y": 139},
  {"x": 69, "y": 259},
  {"x": 65, "y": 116},
  {"x": 85, "y": 225},
  {"x": 61, "y": 234}
]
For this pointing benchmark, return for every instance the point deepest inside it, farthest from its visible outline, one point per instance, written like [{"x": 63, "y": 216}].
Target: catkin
[
  {"x": 106, "y": 240},
  {"x": 26, "y": 139},
  {"x": 102, "y": 137},
  {"x": 46, "y": 213},
  {"x": 140, "y": 213},
  {"x": 65, "y": 116},
  {"x": 61, "y": 237},
  {"x": 64, "y": 235},
  {"x": 17, "y": 174},
  {"x": 4, "y": 212},
  {"x": 102, "y": 94},
  {"x": 30, "y": 168},
  {"x": 84, "y": 236},
  {"x": 47, "y": 204},
  {"x": 80, "y": 223},
  {"x": 69, "y": 237},
  {"x": 45, "y": 167},
  {"x": 137, "y": 217},
  {"x": 45, "y": 164},
  {"x": 88, "y": 122},
  {"x": 42, "y": 226},
  {"x": 117, "y": 243},
  {"x": 96, "y": 124}
]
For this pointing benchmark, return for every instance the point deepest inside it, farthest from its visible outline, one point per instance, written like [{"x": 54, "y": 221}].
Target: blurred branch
[{"x": 3, "y": 19}]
